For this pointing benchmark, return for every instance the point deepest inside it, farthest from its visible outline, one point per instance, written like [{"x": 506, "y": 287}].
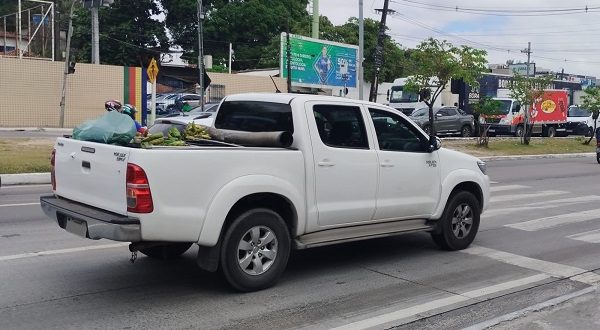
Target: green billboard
[{"x": 319, "y": 63}]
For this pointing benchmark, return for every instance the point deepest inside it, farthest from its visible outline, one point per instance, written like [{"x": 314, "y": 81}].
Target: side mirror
[{"x": 435, "y": 145}]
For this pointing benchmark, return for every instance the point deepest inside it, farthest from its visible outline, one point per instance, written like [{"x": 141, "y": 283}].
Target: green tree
[
  {"x": 253, "y": 27},
  {"x": 528, "y": 91},
  {"x": 128, "y": 34},
  {"x": 591, "y": 102},
  {"x": 486, "y": 107},
  {"x": 436, "y": 63}
]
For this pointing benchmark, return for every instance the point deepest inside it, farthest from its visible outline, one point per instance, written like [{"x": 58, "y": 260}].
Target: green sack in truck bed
[{"x": 112, "y": 128}]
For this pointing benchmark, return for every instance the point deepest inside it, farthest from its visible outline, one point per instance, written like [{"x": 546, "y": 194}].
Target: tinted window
[
  {"x": 450, "y": 112},
  {"x": 255, "y": 116},
  {"x": 341, "y": 126},
  {"x": 395, "y": 134},
  {"x": 442, "y": 112},
  {"x": 577, "y": 112}
]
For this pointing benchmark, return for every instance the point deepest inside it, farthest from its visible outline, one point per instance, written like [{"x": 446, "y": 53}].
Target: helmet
[
  {"x": 129, "y": 110},
  {"x": 111, "y": 105}
]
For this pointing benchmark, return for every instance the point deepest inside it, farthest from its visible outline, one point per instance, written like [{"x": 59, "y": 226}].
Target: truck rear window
[{"x": 255, "y": 116}]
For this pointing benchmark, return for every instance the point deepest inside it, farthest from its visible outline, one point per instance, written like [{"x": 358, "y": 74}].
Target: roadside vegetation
[
  {"x": 22, "y": 155},
  {"x": 505, "y": 146}
]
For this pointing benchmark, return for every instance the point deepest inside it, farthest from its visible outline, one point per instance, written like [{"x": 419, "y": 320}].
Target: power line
[{"x": 500, "y": 12}]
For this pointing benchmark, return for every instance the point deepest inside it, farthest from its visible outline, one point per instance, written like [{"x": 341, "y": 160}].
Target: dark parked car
[{"x": 447, "y": 120}]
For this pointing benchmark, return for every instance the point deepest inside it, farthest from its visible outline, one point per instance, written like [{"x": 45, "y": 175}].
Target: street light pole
[
  {"x": 200, "y": 14},
  {"x": 66, "y": 73},
  {"x": 361, "y": 49}
]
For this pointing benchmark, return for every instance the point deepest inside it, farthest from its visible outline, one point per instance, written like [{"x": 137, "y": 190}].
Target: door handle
[
  {"x": 326, "y": 163},
  {"x": 386, "y": 164}
]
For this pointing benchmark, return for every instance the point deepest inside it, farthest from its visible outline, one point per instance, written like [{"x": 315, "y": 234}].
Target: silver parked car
[{"x": 447, "y": 120}]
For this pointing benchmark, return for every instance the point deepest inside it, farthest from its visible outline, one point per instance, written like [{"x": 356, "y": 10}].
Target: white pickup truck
[{"x": 355, "y": 170}]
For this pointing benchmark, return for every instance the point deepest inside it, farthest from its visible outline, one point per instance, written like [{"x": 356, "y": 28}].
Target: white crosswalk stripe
[
  {"x": 557, "y": 220},
  {"x": 507, "y": 187},
  {"x": 526, "y": 196},
  {"x": 549, "y": 204},
  {"x": 592, "y": 236}
]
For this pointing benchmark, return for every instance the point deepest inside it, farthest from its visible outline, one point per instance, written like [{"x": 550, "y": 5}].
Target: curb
[
  {"x": 546, "y": 156},
  {"x": 35, "y": 129},
  {"x": 24, "y": 179}
]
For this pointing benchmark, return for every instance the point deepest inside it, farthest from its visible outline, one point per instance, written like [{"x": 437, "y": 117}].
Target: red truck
[{"x": 548, "y": 115}]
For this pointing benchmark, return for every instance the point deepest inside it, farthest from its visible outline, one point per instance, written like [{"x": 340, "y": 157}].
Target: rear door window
[
  {"x": 341, "y": 126},
  {"x": 255, "y": 116}
]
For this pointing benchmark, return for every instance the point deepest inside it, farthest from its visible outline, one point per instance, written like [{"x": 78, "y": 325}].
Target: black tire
[
  {"x": 519, "y": 131},
  {"x": 253, "y": 276},
  {"x": 447, "y": 237},
  {"x": 598, "y": 158},
  {"x": 466, "y": 131},
  {"x": 551, "y": 132},
  {"x": 166, "y": 252}
]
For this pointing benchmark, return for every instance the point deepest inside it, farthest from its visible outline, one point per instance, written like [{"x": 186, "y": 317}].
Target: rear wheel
[
  {"x": 256, "y": 248},
  {"x": 551, "y": 132},
  {"x": 466, "y": 131},
  {"x": 166, "y": 252},
  {"x": 427, "y": 129},
  {"x": 459, "y": 223},
  {"x": 598, "y": 158}
]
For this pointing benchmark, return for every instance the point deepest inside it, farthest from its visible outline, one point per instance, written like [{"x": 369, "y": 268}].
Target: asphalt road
[{"x": 538, "y": 242}]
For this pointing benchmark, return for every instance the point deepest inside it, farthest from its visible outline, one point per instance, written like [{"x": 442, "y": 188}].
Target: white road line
[
  {"x": 20, "y": 204},
  {"x": 507, "y": 187},
  {"x": 62, "y": 251},
  {"x": 494, "y": 182},
  {"x": 554, "y": 203},
  {"x": 557, "y": 220},
  {"x": 547, "y": 267},
  {"x": 404, "y": 313},
  {"x": 525, "y": 197},
  {"x": 534, "y": 308},
  {"x": 592, "y": 236}
]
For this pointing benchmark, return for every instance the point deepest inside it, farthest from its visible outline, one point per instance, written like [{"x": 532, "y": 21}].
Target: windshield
[
  {"x": 578, "y": 112},
  {"x": 420, "y": 112},
  {"x": 505, "y": 106},
  {"x": 397, "y": 95}
]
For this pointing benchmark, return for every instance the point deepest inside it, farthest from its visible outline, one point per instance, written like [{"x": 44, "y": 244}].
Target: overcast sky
[{"x": 558, "y": 39}]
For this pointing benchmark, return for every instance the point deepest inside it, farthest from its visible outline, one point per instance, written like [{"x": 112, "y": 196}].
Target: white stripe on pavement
[
  {"x": 516, "y": 197},
  {"x": 507, "y": 187},
  {"x": 534, "y": 308},
  {"x": 557, "y": 220},
  {"x": 62, "y": 251},
  {"x": 592, "y": 236},
  {"x": 20, "y": 204},
  {"x": 554, "y": 203},
  {"x": 439, "y": 303},
  {"x": 547, "y": 267}
]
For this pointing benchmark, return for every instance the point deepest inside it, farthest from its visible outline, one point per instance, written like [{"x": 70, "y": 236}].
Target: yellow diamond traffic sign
[{"x": 152, "y": 70}]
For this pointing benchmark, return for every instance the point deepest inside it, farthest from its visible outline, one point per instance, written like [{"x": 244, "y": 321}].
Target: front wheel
[
  {"x": 166, "y": 252},
  {"x": 459, "y": 223},
  {"x": 256, "y": 248},
  {"x": 466, "y": 131},
  {"x": 598, "y": 158},
  {"x": 519, "y": 132}
]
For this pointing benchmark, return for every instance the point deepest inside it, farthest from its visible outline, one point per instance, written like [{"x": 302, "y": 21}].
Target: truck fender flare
[
  {"x": 237, "y": 189},
  {"x": 452, "y": 180}
]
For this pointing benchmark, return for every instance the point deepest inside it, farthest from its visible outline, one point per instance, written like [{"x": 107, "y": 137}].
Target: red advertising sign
[{"x": 552, "y": 108}]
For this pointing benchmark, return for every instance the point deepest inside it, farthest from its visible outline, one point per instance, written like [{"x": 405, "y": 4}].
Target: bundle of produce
[{"x": 196, "y": 132}]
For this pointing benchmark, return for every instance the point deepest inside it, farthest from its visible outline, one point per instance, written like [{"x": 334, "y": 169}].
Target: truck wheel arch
[
  {"x": 251, "y": 192},
  {"x": 456, "y": 181}
]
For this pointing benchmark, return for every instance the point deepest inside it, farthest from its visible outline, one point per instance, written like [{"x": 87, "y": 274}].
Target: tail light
[
  {"x": 139, "y": 198},
  {"x": 52, "y": 172}
]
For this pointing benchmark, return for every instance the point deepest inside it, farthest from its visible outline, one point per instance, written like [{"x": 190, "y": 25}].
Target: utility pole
[
  {"x": 19, "y": 36},
  {"x": 200, "y": 53},
  {"x": 526, "y": 133},
  {"x": 315, "y": 19},
  {"x": 95, "y": 36},
  {"x": 66, "y": 73},
  {"x": 379, "y": 51},
  {"x": 361, "y": 49},
  {"x": 230, "y": 54}
]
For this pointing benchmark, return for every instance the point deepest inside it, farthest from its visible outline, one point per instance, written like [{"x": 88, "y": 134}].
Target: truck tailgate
[{"x": 92, "y": 173}]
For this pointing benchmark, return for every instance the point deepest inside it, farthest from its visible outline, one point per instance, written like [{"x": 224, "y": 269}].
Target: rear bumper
[{"x": 90, "y": 222}]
